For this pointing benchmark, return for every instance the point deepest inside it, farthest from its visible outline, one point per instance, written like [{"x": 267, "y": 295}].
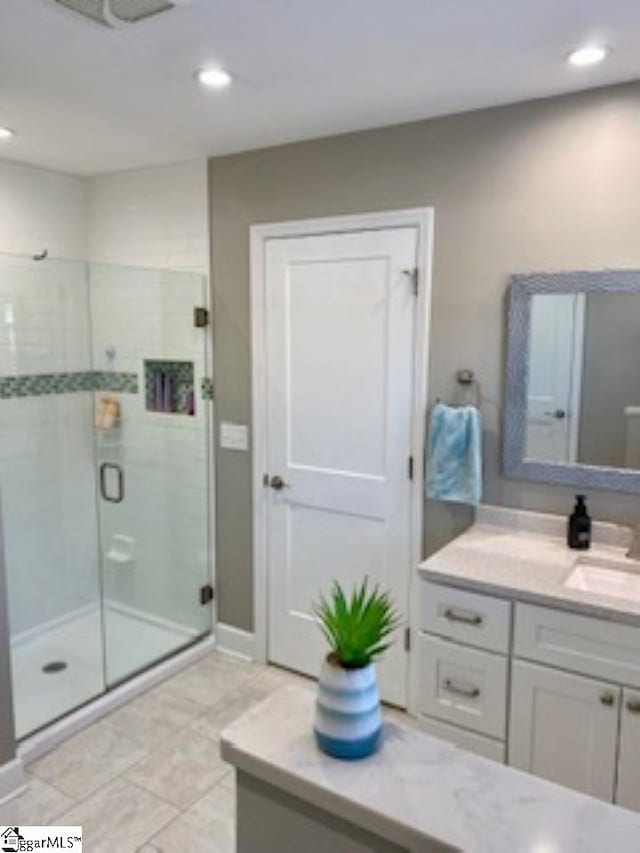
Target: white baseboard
[
  {"x": 45, "y": 740},
  {"x": 12, "y": 779},
  {"x": 234, "y": 641}
]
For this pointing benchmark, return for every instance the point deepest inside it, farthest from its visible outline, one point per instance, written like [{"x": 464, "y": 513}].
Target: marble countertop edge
[
  {"x": 327, "y": 799},
  {"x": 421, "y": 793},
  {"x": 523, "y": 556}
]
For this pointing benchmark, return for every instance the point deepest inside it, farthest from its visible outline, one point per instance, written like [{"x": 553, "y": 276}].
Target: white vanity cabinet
[
  {"x": 564, "y": 727},
  {"x": 552, "y": 692},
  {"x": 628, "y": 789},
  {"x": 463, "y": 662}
]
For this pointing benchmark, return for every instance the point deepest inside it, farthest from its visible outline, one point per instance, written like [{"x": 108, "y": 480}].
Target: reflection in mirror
[{"x": 583, "y": 389}]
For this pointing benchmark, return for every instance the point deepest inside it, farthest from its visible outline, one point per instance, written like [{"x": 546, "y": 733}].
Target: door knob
[
  {"x": 559, "y": 414},
  {"x": 607, "y": 698},
  {"x": 278, "y": 483},
  {"x": 633, "y": 705}
]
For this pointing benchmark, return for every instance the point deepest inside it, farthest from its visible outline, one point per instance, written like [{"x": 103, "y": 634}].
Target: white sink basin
[{"x": 615, "y": 578}]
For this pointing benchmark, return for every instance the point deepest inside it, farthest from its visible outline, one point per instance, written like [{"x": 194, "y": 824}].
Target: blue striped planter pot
[{"x": 348, "y": 721}]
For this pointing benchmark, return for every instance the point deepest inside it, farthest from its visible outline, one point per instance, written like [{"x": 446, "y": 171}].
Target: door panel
[
  {"x": 339, "y": 328},
  {"x": 628, "y": 788},
  {"x": 564, "y": 728},
  {"x": 555, "y": 372}
]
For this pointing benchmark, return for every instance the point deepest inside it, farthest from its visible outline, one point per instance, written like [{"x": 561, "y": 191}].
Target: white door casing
[{"x": 335, "y": 416}]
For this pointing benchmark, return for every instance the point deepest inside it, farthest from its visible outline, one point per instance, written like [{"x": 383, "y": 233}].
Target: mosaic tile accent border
[
  {"x": 125, "y": 383},
  {"x": 43, "y": 384},
  {"x": 206, "y": 388}
]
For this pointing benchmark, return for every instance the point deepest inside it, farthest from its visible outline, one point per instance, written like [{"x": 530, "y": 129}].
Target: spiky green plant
[{"x": 356, "y": 628}]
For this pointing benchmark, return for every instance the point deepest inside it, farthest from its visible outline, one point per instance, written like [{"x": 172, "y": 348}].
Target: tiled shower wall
[
  {"x": 155, "y": 218},
  {"x": 41, "y": 209}
]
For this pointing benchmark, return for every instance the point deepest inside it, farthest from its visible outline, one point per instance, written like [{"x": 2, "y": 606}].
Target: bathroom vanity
[
  {"x": 417, "y": 793},
  {"x": 529, "y": 652}
]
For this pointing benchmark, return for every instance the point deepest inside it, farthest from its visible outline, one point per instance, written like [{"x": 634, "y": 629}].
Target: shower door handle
[{"x": 119, "y": 496}]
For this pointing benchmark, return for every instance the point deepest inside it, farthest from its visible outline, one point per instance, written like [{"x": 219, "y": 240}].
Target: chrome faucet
[{"x": 634, "y": 548}]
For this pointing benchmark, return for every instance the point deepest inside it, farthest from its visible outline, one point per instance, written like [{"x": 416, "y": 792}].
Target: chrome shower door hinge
[
  {"x": 200, "y": 317},
  {"x": 206, "y": 593}
]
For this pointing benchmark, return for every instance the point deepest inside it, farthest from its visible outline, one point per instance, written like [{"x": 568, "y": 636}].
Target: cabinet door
[
  {"x": 628, "y": 792},
  {"x": 564, "y": 728}
]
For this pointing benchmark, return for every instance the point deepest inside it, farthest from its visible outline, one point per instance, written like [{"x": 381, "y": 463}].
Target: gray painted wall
[
  {"x": 7, "y": 738},
  {"x": 546, "y": 185},
  {"x": 610, "y": 376}
]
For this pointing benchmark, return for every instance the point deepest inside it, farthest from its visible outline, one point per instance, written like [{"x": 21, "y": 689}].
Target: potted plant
[{"x": 348, "y": 721}]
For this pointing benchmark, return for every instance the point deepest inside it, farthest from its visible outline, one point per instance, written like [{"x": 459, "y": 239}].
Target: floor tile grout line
[{"x": 253, "y": 673}]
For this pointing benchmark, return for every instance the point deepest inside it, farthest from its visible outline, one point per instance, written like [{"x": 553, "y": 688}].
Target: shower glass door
[
  {"x": 47, "y": 489},
  {"x": 152, "y": 415},
  {"x": 104, "y": 476}
]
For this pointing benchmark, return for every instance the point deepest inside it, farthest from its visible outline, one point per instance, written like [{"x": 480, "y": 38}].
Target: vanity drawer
[
  {"x": 464, "y": 686},
  {"x": 584, "y": 644},
  {"x": 464, "y": 739},
  {"x": 468, "y": 617}
]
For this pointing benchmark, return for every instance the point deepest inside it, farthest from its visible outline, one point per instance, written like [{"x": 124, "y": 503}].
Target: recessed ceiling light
[
  {"x": 213, "y": 78},
  {"x": 589, "y": 55},
  {"x": 6, "y": 133}
]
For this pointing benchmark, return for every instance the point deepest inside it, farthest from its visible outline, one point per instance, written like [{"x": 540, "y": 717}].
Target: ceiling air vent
[{"x": 115, "y": 13}]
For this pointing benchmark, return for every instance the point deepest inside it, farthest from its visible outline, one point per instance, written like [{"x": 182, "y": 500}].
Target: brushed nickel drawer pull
[
  {"x": 633, "y": 705},
  {"x": 470, "y": 692},
  {"x": 468, "y": 619},
  {"x": 607, "y": 698}
]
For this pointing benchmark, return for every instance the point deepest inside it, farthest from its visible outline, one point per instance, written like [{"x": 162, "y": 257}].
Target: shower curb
[{"x": 36, "y": 745}]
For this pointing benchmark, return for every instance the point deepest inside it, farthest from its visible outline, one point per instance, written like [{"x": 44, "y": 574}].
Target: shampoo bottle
[{"x": 579, "y": 527}]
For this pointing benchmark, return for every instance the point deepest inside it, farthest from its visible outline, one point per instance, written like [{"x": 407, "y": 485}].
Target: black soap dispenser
[{"x": 579, "y": 527}]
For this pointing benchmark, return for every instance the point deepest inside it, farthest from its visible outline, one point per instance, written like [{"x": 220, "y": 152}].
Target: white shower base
[{"x": 132, "y": 642}]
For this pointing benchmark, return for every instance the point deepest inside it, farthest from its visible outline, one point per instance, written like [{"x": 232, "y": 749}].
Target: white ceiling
[{"x": 85, "y": 99}]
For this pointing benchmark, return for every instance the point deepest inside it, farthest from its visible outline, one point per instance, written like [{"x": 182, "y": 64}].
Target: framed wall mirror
[{"x": 572, "y": 412}]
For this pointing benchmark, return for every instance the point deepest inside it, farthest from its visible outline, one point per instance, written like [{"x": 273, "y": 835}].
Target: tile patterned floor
[{"x": 149, "y": 776}]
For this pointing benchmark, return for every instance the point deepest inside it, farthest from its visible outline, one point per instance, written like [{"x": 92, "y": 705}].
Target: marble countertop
[
  {"x": 524, "y": 556},
  {"x": 422, "y": 793}
]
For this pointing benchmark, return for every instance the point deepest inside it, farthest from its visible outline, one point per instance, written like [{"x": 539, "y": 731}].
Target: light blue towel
[{"x": 454, "y": 455}]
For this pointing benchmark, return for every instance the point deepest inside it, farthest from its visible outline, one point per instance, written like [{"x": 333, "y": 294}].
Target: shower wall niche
[
  {"x": 169, "y": 387},
  {"x": 105, "y": 504}
]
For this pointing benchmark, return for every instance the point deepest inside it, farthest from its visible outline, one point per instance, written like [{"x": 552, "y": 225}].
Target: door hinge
[
  {"x": 407, "y": 639},
  {"x": 413, "y": 275},
  {"x": 410, "y": 467},
  {"x": 206, "y": 593},
  {"x": 200, "y": 317}
]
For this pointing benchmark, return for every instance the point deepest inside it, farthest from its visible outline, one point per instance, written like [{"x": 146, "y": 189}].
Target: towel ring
[{"x": 466, "y": 378}]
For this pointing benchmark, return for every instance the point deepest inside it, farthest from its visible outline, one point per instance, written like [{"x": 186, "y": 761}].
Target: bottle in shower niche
[
  {"x": 579, "y": 527},
  {"x": 158, "y": 397}
]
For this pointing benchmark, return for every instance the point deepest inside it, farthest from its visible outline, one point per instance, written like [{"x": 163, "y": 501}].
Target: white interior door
[
  {"x": 340, "y": 312},
  {"x": 555, "y": 373}
]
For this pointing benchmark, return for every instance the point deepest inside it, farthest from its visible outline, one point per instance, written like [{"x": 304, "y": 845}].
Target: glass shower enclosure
[{"x": 104, "y": 475}]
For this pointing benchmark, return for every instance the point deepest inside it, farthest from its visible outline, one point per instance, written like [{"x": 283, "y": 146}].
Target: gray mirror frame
[{"x": 522, "y": 288}]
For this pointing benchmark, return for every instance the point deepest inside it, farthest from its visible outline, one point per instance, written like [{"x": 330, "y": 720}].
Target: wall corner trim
[
  {"x": 235, "y": 641},
  {"x": 12, "y": 779}
]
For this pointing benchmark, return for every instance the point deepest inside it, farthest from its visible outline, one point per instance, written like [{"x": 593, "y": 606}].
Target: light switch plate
[{"x": 234, "y": 436}]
